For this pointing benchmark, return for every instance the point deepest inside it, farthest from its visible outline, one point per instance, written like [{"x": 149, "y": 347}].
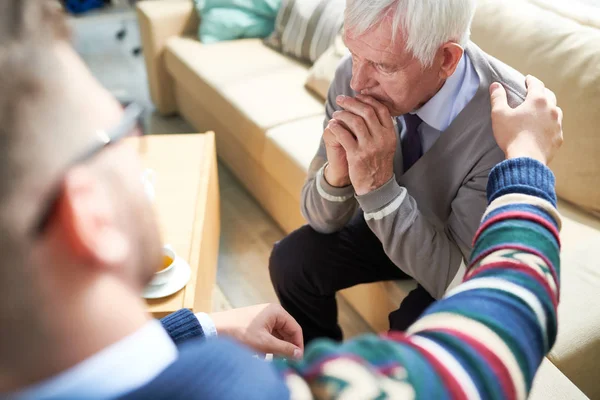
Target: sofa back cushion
[
  {"x": 562, "y": 48},
  {"x": 323, "y": 70},
  {"x": 235, "y": 19},
  {"x": 304, "y": 29}
]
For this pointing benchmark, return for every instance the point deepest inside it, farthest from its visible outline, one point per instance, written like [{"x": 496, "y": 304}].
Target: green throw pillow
[{"x": 236, "y": 19}]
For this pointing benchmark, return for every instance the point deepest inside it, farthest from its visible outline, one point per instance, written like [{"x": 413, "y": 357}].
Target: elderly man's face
[{"x": 384, "y": 69}]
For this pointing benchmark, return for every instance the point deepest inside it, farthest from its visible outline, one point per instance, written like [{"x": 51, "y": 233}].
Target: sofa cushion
[
  {"x": 305, "y": 29},
  {"x": 323, "y": 70},
  {"x": 577, "y": 349},
  {"x": 243, "y": 83},
  {"x": 577, "y": 10},
  {"x": 235, "y": 19},
  {"x": 563, "y": 51},
  {"x": 289, "y": 150},
  {"x": 551, "y": 384}
]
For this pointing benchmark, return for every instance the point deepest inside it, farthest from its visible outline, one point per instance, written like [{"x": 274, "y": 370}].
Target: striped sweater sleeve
[{"x": 483, "y": 340}]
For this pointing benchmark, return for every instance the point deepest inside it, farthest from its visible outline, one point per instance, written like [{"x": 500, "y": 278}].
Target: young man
[{"x": 79, "y": 242}]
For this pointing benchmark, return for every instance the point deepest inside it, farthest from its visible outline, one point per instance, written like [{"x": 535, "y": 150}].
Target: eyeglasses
[{"x": 131, "y": 124}]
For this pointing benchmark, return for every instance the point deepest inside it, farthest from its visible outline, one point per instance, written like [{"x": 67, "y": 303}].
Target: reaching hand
[
  {"x": 366, "y": 131},
  {"x": 266, "y": 328},
  {"x": 533, "y": 129}
]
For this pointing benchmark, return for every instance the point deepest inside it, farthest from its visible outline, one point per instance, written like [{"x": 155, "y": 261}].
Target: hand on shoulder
[{"x": 534, "y": 128}]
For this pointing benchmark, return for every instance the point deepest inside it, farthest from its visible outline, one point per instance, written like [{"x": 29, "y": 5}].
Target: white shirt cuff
[{"x": 207, "y": 324}]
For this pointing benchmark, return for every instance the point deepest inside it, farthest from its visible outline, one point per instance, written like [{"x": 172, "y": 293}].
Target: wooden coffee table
[{"x": 187, "y": 206}]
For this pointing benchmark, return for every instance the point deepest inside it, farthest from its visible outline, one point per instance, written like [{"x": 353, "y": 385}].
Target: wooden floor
[{"x": 247, "y": 232}]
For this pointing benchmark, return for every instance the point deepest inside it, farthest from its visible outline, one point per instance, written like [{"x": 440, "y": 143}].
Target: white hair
[{"x": 427, "y": 24}]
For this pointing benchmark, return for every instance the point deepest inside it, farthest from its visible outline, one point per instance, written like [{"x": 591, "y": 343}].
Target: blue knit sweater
[{"x": 485, "y": 339}]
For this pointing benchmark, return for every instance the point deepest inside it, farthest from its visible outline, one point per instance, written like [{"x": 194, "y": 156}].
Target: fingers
[
  {"x": 559, "y": 119},
  {"x": 540, "y": 96},
  {"x": 270, "y": 344},
  {"x": 343, "y": 136},
  {"x": 498, "y": 98},
  {"x": 382, "y": 111},
  {"x": 551, "y": 97},
  {"x": 560, "y": 115},
  {"x": 355, "y": 124},
  {"x": 286, "y": 334},
  {"x": 361, "y": 109},
  {"x": 290, "y": 331},
  {"x": 287, "y": 328},
  {"x": 535, "y": 87}
]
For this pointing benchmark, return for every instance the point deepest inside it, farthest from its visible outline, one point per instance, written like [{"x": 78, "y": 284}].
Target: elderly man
[
  {"x": 79, "y": 242},
  {"x": 397, "y": 187}
]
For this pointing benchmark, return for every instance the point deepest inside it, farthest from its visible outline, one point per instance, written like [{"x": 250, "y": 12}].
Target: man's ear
[
  {"x": 451, "y": 54},
  {"x": 89, "y": 222}
]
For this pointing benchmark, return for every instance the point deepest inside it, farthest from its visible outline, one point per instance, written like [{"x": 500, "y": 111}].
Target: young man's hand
[
  {"x": 533, "y": 129},
  {"x": 266, "y": 328}
]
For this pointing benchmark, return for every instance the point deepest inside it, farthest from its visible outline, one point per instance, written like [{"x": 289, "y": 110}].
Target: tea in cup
[{"x": 167, "y": 267}]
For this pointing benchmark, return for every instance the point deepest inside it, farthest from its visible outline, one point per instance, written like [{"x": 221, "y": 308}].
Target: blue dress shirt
[{"x": 439, "y": 112}]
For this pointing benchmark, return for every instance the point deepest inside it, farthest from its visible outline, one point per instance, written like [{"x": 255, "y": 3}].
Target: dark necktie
[{"x": 411, "y": 141}]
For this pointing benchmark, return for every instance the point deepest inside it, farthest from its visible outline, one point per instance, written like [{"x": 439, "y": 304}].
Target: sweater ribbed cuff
[
  {"x": 332, "y": 193},
  {"x": 521, "y": 175},
  {"x": 182, "y": 325},
  {"x": 381, "y": 197}
]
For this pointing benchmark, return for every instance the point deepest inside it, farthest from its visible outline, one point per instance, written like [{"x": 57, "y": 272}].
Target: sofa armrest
[{"x": 159, "y": 21}]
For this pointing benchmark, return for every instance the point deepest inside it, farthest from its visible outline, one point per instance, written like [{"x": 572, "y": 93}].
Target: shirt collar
[
  {"x": 437, "y": 112},
  {"x": 117, "y": 370}
]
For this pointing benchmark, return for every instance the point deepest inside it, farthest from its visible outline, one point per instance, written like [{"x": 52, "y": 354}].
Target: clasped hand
[{"x": 360, "y": 142}]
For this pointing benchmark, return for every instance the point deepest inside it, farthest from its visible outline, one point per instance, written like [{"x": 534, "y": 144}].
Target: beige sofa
[{"x": 268, "y": 127}]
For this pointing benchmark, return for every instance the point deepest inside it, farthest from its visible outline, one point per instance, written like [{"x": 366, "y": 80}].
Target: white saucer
[{"x": 180, "y": 278}]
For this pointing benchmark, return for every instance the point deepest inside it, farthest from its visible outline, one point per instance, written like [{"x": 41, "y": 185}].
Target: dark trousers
[{"x": 308, "y": 268}]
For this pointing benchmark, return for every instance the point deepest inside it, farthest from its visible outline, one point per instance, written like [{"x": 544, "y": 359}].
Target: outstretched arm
[{"x": 266, "y": 328}]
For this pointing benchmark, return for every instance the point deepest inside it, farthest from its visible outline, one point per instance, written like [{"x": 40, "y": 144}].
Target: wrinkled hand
[
  {"x": 533, "y": 129},
  {"x": 336, "y": 173},
  {"x": 366, "y": 131},
  {"x": 266, "y": 328}
]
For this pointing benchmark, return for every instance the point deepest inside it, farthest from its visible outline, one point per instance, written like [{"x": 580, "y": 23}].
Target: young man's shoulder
[{"x": 215, "y": 369}]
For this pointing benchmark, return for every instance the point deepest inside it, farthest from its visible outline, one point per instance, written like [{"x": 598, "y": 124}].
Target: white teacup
[{"x": 166, "y": 273}]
